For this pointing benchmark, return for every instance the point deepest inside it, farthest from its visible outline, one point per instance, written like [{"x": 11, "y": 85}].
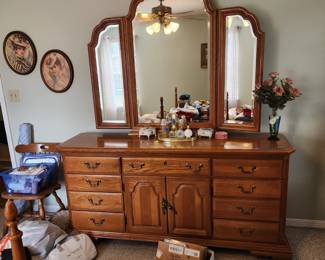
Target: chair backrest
[{"x": 37, "y": 148}]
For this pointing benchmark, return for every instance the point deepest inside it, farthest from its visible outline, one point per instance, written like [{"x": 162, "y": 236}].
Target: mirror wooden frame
[
  {"x": 94, "y": 76},
  {"x": 222, "y": 15}
]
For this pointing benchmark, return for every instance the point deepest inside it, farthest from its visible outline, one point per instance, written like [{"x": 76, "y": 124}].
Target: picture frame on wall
[
  {"x": 204, "y": 55},
  {"x": 19, "y": 52},
  {"x": 57, "y": 71}
]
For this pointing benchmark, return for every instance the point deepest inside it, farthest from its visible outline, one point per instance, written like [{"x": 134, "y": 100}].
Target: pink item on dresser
[{"x": 221, "y": 135}]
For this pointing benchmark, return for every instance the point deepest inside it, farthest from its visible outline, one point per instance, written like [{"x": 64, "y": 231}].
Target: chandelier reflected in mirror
[{"x": 162, "y": 15}]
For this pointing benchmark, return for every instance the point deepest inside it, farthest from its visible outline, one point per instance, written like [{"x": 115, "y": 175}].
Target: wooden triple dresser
[{"x": 221, "y": 193}]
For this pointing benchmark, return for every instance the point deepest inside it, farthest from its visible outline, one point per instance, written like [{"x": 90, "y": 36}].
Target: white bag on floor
[
  {"x": 40, "y": 236},
  {"x": 78, "y": 247}
]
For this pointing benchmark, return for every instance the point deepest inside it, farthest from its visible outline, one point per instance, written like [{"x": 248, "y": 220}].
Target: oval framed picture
[
  {"x": 56, "y": 71},
  {"x": 19, "y": 52}
]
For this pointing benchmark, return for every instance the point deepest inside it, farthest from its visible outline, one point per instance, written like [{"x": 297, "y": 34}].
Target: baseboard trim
[{"x": 307, "y": 223}]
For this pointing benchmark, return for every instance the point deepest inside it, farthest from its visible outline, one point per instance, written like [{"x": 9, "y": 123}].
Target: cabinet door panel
[
  {"x": 189, "y": 211},
  {"x": 143, "y": 201}
]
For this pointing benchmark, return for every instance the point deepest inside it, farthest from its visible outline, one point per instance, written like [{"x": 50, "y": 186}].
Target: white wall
[
  {"x": 164, "y": 62},
  {"x": 295, "y": 46}
]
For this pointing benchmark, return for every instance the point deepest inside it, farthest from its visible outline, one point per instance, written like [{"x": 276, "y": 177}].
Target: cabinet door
[
  {"x": 189, "y": 206},
  {"x": 144, "y": 198}
]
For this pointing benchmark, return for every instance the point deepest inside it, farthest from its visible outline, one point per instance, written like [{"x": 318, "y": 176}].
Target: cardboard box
[{"x": 170, "y": 249}]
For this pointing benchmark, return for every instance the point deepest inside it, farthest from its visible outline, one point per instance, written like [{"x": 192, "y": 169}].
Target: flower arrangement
[{"x": 276, "y": 92}]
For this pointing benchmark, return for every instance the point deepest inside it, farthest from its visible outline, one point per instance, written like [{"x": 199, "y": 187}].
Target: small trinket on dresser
[
  {"x": 220, "y": 135},
  {"x": 205, "y": 132},
  {"x": 147, "y": 131},
  {"x": 188, "y": 132}
]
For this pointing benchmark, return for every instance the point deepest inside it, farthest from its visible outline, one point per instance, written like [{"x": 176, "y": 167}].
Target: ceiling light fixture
[{"x": 163, "y": 14}]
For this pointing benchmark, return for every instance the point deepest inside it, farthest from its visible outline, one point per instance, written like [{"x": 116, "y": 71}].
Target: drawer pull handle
[
  {"x": 242, "y": 169},
  {"x": 190, "y": 167},
  {"x": 246, "y": 232},
  {"x": 98, "y": 203},
  {"x": 93, "y": 184},
  {"x": 250, "y": 191},
  {"x": 97, "y": 223},
  {"x": 92, "y": 166},
  {"x": 246, "y": 212},
  {"x": 137, "y": 167}
]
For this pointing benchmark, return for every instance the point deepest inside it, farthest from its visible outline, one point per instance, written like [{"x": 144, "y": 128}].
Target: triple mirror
[{"x": 160, "y": 61}]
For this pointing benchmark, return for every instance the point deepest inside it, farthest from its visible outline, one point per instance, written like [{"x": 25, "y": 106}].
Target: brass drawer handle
[
  {"x": 98, "y": 203},
  {"x": 247, "y": 211},
  {"x": 97, "y": 223},
  {"x": 92, "y": 166},
  {"x": 137, "y": 167},
  {"x": 242, "y": 169},
  {"x": 196, "y": 170},
  {"x": 250, "y": 191},
  {"x": 246, "y": 232},
  {"x": 93, "y": 184}
]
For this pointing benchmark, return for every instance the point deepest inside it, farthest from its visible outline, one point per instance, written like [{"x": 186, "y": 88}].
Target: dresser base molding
[{"x": 276, "y": 251}]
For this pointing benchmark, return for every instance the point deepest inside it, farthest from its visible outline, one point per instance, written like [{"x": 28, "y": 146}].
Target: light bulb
[
  {"x": 168, "y": 29},
  {"x": 150, "y": 30},
  {"x": 156, "y": 27},
  {"x": 174, "y": 26}
]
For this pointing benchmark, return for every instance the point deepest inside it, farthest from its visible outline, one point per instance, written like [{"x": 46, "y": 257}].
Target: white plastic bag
[
  {"x": 40, "y": 236},
  {"x": 78, "y": 247}
]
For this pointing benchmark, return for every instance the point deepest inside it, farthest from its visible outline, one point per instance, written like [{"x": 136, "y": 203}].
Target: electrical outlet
[{"x": 14, "y": 95}]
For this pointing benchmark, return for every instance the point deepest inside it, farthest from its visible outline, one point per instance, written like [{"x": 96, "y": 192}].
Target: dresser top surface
[{"x": 122, "y": 143}]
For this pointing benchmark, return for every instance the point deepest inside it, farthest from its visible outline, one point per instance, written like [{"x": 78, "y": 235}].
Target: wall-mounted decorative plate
[{"x": 57, "y": 71}]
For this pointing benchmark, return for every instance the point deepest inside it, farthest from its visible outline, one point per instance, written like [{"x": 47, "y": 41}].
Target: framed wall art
[
  {"x": 19, "y": 52},
  {"x": 204, "y": 55},
  {"x": 57, "y": 71}
]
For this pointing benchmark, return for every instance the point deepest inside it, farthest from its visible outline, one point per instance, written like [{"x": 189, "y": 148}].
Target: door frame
[{"x": 4, "y": 110}]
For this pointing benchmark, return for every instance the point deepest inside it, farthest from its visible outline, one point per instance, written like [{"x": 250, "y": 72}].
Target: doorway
[{"x": 5, "y": 161}]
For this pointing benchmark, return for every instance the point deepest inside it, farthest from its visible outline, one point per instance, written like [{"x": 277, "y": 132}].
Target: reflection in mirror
[
  {"x": 110, "y": 75},
  {"x": 240, "y": 70},
  {"x": 172, "y": 60}
]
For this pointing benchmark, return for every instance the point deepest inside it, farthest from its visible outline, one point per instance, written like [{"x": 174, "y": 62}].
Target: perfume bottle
[
  {"x": 188, "y": 132},
  {"x": 164, "y": 128}
]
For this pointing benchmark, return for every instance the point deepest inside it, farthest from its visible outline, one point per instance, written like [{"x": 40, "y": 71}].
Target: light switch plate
[{"x": 14, "y": 95}]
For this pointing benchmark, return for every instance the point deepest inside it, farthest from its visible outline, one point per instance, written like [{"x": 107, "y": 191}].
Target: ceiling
[{"x": 178, "y": 6}]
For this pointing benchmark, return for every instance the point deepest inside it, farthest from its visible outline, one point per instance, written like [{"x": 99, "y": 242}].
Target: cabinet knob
[
  {"x": 94, "y": 203},
  {"x": 97, "y": 223},
  {"x": 242, "y": 169},
  {"x": 138, "y": 166},
  {"x": 247, "y": 191},
  {"x": 164, "y": 206}
]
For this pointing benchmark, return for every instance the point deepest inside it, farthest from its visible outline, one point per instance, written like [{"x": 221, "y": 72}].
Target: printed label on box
[
  {"x": 176, "y": 249},
  {"x": 191, "y": 252}
]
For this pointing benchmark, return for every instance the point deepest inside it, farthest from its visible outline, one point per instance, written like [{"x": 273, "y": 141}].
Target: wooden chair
[{"x": 37, "y": 148}]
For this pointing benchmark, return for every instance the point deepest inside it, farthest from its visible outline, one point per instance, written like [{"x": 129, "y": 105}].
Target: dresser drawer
[
  {"x": 97, "y": 221},
  {"x": 91, "y": 165},
  {"x": 246, "y": 230},
  {"x": 265, "y": 210},
  {"x": 96, "y": 183},
  {"x": 247, "y": 168},
  {"x": 110, "y": 202},
  {"x": 166, "y": 166},
  {"x": 270, "y": 189}
]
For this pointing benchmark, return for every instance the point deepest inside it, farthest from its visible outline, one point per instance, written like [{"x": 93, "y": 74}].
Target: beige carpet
[{"x": 307, "y": 244}]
